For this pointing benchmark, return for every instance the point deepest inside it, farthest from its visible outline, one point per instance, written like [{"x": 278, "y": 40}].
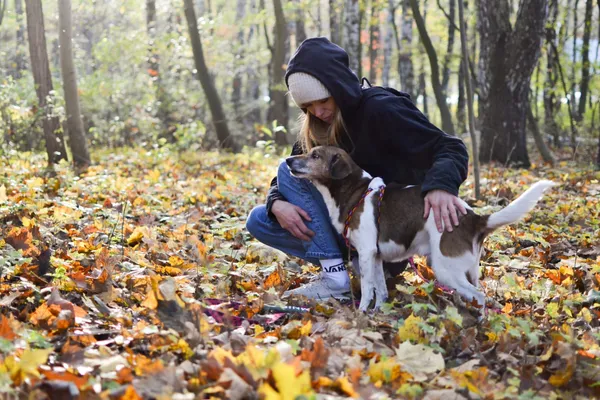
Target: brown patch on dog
[
  {"x": 402, "y": 211},
  {"x": 460, "y": 240}
]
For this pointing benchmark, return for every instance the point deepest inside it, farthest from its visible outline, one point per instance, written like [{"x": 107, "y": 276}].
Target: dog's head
[{"x": 322, "y": 164}]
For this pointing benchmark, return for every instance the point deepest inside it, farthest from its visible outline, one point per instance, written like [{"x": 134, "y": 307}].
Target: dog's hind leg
[
  {"x": 452, "y": 272},
  {"x": 381, "y": 292}
]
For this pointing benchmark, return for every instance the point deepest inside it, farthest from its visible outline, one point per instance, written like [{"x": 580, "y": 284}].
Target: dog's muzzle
[{"x": 296, "y": 165}]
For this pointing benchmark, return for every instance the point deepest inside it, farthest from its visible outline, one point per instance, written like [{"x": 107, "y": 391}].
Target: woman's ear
[{"x": 338, "y": 167}]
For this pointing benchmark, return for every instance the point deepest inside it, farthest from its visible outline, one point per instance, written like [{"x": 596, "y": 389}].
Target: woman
[{"x": 385, "y": 134}]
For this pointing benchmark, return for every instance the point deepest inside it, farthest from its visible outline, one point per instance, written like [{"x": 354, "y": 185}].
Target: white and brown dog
[{"x": 402, "y": 232}]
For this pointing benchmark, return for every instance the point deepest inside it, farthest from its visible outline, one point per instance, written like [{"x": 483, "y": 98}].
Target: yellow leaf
[
  {"x": 411, "y": 330},
  {"x": 305, "y": 330},
  {"x": 221, "y": 354},
  {"x": 289, "y": 384},
  {"x": 3, "y": 196},
  {"x": 135, "y": 237},
  {"x": 154, "y": 176},
  {"x": 585, "y": 313},
  {"x": 562, "y": 377},
  {"x": 384, "y": 371},
  {"x": 346, "y": 387},
  {"x": 150, "y": 300},
  {"x": 28, "y": 222},
  {"x": 29, "y": 363},
  {"x": 268, "y": 393}
]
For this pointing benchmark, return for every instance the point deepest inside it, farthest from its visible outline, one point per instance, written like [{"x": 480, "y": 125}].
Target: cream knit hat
[{"x": 305, "y": 88}]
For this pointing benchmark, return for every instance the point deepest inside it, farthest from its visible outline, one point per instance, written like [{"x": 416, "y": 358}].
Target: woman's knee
[{"x": 255, "y": 220}]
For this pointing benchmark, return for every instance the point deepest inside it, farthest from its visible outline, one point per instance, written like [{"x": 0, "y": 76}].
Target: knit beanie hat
[{"x": 305, "y": 88}]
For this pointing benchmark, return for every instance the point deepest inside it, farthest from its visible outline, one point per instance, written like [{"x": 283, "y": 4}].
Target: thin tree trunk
[
  {"x": 551, "y": 80},
  {"x": 440, "y": 97},
  {"x": 537, "y": 136},
  {"x": 405, "y": 64},
  {"x": 77, "y": 141},
  {"x": 278, "y": 105},
  {"x": 574, "y": 61},
  {"x": 21, "y": 58},
  {"x": 374, "y": 40},
  {"x": 388, "y": 44},
  {"x": 352, "y": 34},
  {"x": 449, "y": 46},
  {"x": 465, "y": 65},
  {"x": 55, "y": 145},
  {"x": 2, "y": 9},
  {"x": 585, "y": 59},
  {"x": 253, "y": 86},
  {"x": 461, "y": 105},
  {"x": 236, "y": 94},
  {"x": 300, "y": 30},
  {"x": 214, "y": 102},
  {"x": 334, "y": 22}
]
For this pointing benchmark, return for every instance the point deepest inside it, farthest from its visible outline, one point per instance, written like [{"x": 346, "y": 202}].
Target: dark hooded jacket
[{"x": 387, "y": 135}]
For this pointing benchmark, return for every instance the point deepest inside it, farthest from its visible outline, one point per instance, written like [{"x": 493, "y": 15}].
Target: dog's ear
[{"x": 338, "y": 167}]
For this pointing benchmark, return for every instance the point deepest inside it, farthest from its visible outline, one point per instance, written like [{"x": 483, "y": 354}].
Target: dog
[{"x": 402, "y": 232}]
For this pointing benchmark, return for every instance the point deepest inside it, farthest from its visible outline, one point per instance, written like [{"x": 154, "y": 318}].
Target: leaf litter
[{"x": 138, "y": 280}]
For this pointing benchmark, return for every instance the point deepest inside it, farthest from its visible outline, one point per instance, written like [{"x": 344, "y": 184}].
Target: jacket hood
[{"x": 328, "y": 63}]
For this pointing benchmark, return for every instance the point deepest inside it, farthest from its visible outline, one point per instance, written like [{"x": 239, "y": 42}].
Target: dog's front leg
[
  {"x": 381, "y": 292},
  {"x": 367, "y": 261}
]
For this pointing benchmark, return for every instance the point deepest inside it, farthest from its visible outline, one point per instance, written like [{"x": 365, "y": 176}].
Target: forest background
[{"x": 137, "y": 136}]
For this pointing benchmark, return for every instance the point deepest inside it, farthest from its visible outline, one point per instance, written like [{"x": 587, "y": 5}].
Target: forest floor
[{"x": 138, "y": 280}]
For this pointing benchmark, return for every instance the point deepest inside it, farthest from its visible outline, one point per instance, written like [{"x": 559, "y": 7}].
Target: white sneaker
[{"x": 321, "y": 288}]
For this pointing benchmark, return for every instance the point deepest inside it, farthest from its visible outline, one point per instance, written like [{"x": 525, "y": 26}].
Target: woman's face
[{"x": 323, "y": 109}]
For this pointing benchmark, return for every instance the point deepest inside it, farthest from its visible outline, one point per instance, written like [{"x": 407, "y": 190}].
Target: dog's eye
[{"x": 315, "y": 156}]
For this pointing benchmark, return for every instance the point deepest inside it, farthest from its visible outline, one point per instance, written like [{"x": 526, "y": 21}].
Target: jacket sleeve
[
  {"x": 274, "y": 193},
  {"x": 403, "y": 129}
]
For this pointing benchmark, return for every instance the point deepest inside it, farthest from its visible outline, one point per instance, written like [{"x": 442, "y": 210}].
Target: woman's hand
[
  {"x": 290, "y": 217},
  {"x": 445, "y": 207}
]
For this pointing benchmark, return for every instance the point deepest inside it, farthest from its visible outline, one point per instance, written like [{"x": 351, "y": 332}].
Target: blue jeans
[{"x": 325, "y": 244}]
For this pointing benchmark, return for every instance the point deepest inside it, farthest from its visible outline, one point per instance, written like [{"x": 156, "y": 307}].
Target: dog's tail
[{"x": 518, "y": 208}]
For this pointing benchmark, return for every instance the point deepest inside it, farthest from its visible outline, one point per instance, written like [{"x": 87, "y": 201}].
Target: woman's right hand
[{"x": 290, "y": 218}]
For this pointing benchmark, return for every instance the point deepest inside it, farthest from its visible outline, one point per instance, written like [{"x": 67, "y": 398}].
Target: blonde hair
[{"x": 314, "y": 132}]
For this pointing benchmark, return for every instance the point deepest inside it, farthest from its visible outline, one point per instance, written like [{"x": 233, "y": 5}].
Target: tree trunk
[
  {"x": 551, "y": 81},
  {"x": 352, "y": 34},
  {"x": 278, "y": 105},
  {"x": 508, "y": 56},
  {"x": 440, "y": 97},
  {"x": 574, "y": 62},
  {"x": 2, "y": 10},
  {"x": 214, "y": 102},
  {"x": 388, "y": 44},
  {"x": 20, "y": 59},
  {"x": 55, "y": 145},
  {"x": 465, "y": 65},
  {"x": 461, "y": 105},
  {"x": 300, "y": 30},
  {"x": 537, "y": 136},
  {"x": 236, "y": 94},
  {"x": 449, "y": 47},
  {"x": 405, "y": 64},
  {"x": 253, "y": 87},
  {"x": 585, "y": 60},
  {"x": 374, "y": 40},
  {"x": 77, "y": 141},
  {"x": 334, "y": 23}
]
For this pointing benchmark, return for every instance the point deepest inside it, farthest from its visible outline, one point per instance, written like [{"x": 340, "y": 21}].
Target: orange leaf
[
  {"x": 272, "y": 280},
  {"x": 130, "y": 394},
  {"x": 6, "y": 330}
]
